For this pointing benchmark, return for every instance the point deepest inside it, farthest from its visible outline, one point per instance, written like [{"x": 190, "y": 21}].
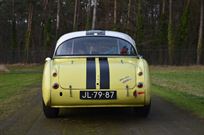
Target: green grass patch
[
  {"x": 18, "y": 79},
  {"x": 185, "y": 101},
  {"x": 182, "y": 86}
]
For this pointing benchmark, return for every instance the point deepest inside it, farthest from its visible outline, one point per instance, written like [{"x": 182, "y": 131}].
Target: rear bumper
[{"x": 67, "y": 99}]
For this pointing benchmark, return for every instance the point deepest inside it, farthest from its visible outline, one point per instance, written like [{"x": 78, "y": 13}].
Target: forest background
[{"x": 167, "y": 32}]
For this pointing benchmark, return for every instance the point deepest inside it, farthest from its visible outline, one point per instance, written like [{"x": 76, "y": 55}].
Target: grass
[
  {"x": 20, "y": 78},
  {"x": 182, "y": 86}
]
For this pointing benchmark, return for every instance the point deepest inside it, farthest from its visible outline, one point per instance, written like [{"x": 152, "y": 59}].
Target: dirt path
[{"x": 165, "y": 119}]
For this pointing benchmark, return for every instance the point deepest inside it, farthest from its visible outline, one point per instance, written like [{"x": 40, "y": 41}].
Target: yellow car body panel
[
  {"x": 46, "y": 83},
  {"x": 72, "y": 72}
]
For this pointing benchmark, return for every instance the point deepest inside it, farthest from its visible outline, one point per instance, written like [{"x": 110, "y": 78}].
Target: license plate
[{"x": 98, "y": 95}]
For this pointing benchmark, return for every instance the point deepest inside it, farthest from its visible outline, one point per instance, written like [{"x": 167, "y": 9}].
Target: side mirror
[{"x": 47, "y": 59}]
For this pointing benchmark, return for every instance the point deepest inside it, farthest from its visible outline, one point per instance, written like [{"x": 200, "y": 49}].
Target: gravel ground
[{"x": 164, "y": 119}]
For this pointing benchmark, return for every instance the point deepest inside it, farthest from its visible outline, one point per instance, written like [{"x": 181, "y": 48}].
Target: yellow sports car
[{"x": 95, "y": 69}]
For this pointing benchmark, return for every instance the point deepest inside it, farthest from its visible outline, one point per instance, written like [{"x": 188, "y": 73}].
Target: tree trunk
[
  {"x": 29, "y": 30},
  {"x": 200, "y": 36},
  {"x": 88, "y": 15},
  {"x": 115, "y": 13},
  {"x": 45, "y": 4},
  {"x": 162, "y": 38},
  {"x": 14, "y": 33},
  {"x": 163, "y": 6},
  {"x": 75, "y": 15},
  {"x": 182, "y": 35},
  {"x": 58, "y": 18},
  {"x": 128, "y": 17},
  {"x": 46, "y": 27},
  {"x": 170, "y": 35},
  {"x": 139, "y": 22},
  {"x": 94, "y": 14}
]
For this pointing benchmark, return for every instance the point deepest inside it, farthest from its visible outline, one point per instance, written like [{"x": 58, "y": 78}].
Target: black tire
[
  {"x": 50, "y": 112},
  {"x": 143, "y": 111}
]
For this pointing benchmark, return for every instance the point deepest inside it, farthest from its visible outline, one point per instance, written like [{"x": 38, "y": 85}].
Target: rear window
[{"x": 95, "y": 46}]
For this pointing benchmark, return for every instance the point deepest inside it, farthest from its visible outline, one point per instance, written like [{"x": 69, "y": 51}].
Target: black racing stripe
[
  {"x": 90, "y": 73},
  {"x": 104, "y": 74}
]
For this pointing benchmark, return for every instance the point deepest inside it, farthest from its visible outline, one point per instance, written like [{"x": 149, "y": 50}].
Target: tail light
[
  {"x": 140, "y": 73},
  {"x": 135, "y": 93},
  {"x": 55, "y": 86},
  {"x": 54, "y": 74},
  {"x": 141, "y": 92},
  {"x": 140, "y": 85}
]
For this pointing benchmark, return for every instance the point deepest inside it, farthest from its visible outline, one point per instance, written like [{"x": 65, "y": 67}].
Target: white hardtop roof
[{"x": 94, "y": 33}]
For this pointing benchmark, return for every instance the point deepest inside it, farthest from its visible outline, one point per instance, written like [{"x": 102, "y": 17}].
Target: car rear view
[{"x": 95, "y": 69}]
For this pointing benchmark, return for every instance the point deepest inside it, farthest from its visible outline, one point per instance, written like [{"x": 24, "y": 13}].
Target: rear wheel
[
  {"x": 143, "y": 111},
  {"x": 50, "y": 112}
]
